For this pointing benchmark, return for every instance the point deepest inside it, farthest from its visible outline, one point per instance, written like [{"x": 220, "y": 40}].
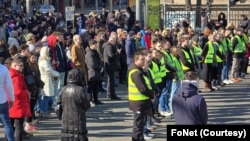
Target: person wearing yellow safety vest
[
  {"x": 227, "y": 44},
  {"x": 179, "y": 76},
  {"x": 245, "y": 60},
  {"x": 220, "y": 56},
  {"x": 140, "y": 94},
  {"x": 186, "y": 55},
  {"x": 155, "y": 66},
  {"x": 170, "y": 73},
  {"x": 239, "y": 50},
  {"x": 209, "y": 63},
  {"x": 152, "y": 76},
  {"x": 195, "y": 47}
]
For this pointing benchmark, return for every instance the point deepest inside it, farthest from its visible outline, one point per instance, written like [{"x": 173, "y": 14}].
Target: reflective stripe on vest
[
  {"x": 133, "y": 92},
  {"x": 188, "y": 58},
  {"x": 210, "y": 54},
  {"x": 241, "y": 46},
  {"x": 178, "y": 66},
  {"x": 157, "y": 74},
  {"x": 221, "y": 50},
  {"x": 163, "y": 69}
]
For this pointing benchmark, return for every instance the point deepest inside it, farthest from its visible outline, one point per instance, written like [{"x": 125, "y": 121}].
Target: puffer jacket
[{"x": 75, "y": 102}]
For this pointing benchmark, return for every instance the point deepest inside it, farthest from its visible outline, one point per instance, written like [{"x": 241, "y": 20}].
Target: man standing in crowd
[
  {"x": 6, "y": 101},
  {"x": 110, "y": 64},
  {"x": 95, "y": 69},
  {"x": 140, "y": 94},
  {"x": 78, "y": 56},
  {"x": 239, "y": 50}
]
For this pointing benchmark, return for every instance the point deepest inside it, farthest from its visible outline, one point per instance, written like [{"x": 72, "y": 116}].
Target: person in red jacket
[{"x": 21, "y": 105}]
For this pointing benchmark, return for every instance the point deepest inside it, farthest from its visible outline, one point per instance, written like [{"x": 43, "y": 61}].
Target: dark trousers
[
  {"x": 138, "y": 127},
  {"x": 17, "y": 124},
  {"x": 111, "y": 84},
  {"x": 123, "y": 73},
  {"x": 33, "y": 100},
  {"x": 93, "y": 90}
]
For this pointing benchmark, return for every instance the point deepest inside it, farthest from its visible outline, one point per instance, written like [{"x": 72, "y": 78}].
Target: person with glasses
[{"x": 21, "y": 105}]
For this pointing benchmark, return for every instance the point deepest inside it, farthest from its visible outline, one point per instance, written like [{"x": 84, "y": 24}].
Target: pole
[
  {"x": 228, "y": 11},
  {"x": 110, "y": 5},
  {"x": 96, "y": 5},
  {"x": 28, "y": 8},
  {"x": 138, "y": 10},
  {"x": 120, "y": 4},
  {"x": 164, "y": 12},
  {"x": 146, "y": 13},
  {"x": 198, "y": 14}
]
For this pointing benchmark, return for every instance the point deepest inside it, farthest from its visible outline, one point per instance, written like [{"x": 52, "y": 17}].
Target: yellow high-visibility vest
[{"x": 133, "y": 93}]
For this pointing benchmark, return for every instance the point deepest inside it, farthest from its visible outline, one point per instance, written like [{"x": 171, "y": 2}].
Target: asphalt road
[{"x": 113, "y": 120}]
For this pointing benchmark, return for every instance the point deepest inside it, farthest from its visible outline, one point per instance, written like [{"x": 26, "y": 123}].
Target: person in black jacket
[
  {"x": 140, "y": 94},
  {"x": 110, "y": 55},
  {"x": 75, "y": 103},
  {"x": 95, "y": 69}
]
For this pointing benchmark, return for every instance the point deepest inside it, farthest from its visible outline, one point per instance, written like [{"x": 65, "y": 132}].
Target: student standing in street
[
  {"x": 95, "y": 69},
  {"x": 140, "y": 94}
]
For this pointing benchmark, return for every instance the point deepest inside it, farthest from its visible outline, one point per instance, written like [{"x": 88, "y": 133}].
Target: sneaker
[
  {"x": 92, "y": 104},
  {"x": 166, "y": 114},
  {"x": 226, "y": 82},
  {"x": 147, "y": 137},
  {"x": 215, "y": 88},
  {"x": 155, "y": 120},
  {"x": 30, "y": 128},
  {"x": 230, "y": 81}
]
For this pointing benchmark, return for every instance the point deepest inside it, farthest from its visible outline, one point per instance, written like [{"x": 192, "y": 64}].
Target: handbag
[
  {"x": 58, "y": 111},
  {"x": 29, "y": 79}
]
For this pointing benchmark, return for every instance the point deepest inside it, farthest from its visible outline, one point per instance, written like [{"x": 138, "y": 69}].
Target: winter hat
[
  {"x": 131, "y": 33},
  {"x": 29, "y": 36}
]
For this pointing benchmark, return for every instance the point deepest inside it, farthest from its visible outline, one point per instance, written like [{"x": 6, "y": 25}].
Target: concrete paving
[{"x": 113, "y": 120}]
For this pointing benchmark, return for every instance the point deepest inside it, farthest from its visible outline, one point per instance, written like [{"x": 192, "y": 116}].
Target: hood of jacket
[
  {"x": 187, "y": 90},
  {"x": 75, "y": 76},
  {"x": 52, "y": 40},
  {"x": 15, "y": 73}
]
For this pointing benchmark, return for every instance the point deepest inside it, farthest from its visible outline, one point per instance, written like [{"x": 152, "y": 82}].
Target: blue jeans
[
  {"x": 175, "y": 86},
  {"x": 4, "y": 117},
  {"x": 225, "y": 71},
  {"x": 58, "y": 85},
  {"x": 165, "y": 95},
  {"x": 156, "y": 105},
  {"x": 44, "y": 104}
]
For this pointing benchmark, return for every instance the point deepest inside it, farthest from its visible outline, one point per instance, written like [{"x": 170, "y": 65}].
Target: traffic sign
[{"x": 69, "y": 13}]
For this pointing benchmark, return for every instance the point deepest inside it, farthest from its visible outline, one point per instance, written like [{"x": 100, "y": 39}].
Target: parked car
[{"x": 44, "y": 9}]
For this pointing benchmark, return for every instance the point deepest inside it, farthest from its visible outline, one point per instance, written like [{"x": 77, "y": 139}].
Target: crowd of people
[{"x": 47, "y": 62}]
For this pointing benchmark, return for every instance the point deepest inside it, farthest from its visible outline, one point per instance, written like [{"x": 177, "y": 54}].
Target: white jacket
[{"x": 47, "y": 73}]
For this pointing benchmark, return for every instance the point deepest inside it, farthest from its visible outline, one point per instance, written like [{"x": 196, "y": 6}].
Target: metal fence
[{"x": 171, "y": 13}]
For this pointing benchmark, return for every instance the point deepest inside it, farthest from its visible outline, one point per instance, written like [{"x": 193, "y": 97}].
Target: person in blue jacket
[{"x": 189, "y": 107}]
